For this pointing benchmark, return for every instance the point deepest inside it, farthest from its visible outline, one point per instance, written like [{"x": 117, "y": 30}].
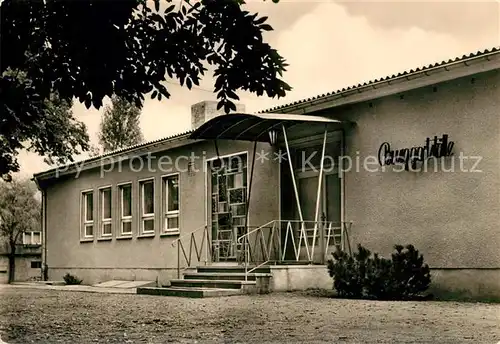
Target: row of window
[{"x": 106, "y": 211}]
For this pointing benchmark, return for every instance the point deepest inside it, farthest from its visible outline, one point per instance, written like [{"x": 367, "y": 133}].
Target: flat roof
[{"x": 252, "y": 127}]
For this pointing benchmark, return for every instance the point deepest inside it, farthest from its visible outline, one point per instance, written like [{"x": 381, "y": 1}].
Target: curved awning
[{"x": 252, "y": 127}]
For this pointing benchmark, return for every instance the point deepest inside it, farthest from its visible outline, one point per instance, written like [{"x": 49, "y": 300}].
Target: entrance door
[
  {"x": 307, "y": 184},
  {"x": 228, "y": 187},
  {"x": 332, "y": 228},
  {"x": 329, "y": 220}
]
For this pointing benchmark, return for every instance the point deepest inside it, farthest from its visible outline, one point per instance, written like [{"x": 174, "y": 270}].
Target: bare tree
[{"x": 19, "y": 212}]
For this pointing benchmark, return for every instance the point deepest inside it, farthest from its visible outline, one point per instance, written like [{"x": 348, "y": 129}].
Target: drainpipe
[{"x": 45, "y": 267}]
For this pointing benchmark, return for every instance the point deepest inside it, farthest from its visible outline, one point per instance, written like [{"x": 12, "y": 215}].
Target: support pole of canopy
[
  {"x": 318, "y": 195},
  {"x": 297, "y": 199},
  {"x": 245, "y": 244},
  {"x": 217, "y": 152}
]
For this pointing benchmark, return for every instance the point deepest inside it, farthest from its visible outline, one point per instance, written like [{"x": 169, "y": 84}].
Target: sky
[{"x": 329, "y": 45}]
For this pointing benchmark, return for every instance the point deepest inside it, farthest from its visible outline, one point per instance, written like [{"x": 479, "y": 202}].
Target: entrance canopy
[
  {"x": 263, "y": 128},
  {"x": 253, "y": 127}
]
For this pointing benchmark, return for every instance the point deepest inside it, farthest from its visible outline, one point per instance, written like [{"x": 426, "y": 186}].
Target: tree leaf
[
  {"x": 266, "y": 27},
  {"x": 260, "y": 20},
  {"x": 169, "y": 9},
  {"x": 232, "y": 95}
]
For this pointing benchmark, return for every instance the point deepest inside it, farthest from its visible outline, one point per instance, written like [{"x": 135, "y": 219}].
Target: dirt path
[{"x": 48, "y": 316}]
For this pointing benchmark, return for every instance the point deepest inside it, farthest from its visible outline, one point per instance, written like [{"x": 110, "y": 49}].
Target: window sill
[
  {"x": 170, "y": 233},
  {"x": 105, "y": 238},
  {"x": 86, "y": 239},
  {"x": 124, "y": 237},
  {"x": 146, "y": 235}
]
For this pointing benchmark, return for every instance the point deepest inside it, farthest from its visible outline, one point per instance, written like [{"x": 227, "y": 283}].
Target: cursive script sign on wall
[{"x": 437, "y": 148}]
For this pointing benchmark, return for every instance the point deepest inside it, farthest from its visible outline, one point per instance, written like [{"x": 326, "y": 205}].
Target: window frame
[
  {"x": 31, "y": 235},
  {"x": 105, "y": 221},
  {"x": 166, "y": 214},
  {"x": 146, "y": 216},
  {"x": 38, "y": 262},
  {"x": 84, "y": 222},
  {"x": 128, "y": 218}
]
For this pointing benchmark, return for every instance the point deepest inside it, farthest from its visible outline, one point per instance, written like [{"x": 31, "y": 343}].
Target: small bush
[
  {"x": 71, "y": 280},
  {"x": 411, "y": 276},
  {"x": 403, "y": 277},
  {"x": 349, "y": 272},
  {"x": 379, "y": 283}
]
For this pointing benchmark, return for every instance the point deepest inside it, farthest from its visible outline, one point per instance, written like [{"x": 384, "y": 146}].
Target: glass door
[
  {"x": 329, "y": 220},
  {"x": 228, "y": 206},
  {"x": 333, "y": 211},
  {"x": 308, "y": 191}
]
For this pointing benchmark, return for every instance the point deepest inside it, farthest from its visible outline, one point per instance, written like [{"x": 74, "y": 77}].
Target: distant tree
[
  {"x": 42, "y": 125},
  {"x": 94, "y": 150},
  {"x": 120, "y": 125},
  {"x": 91, "y": 49},
  {"x": 19, "y": 212}
]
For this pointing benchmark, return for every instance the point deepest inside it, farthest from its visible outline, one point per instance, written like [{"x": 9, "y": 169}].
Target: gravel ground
[{"x": 49, "y": 316}]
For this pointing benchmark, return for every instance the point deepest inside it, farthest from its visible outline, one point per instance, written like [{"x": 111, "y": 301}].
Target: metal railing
[
  {"x": 198, "y": 246},
  {"x": 199, "y": 240},
  {"x": 279, "y": 241}
]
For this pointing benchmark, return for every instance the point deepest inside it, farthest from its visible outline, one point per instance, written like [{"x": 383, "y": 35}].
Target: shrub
[
  {"x": 409, "y": 273},
  {"x": 403, "y": 277},
  {"x": 346, "y": 275},
  {"x": 71, "y": 280},
  {"x": 379, "y": 284}
]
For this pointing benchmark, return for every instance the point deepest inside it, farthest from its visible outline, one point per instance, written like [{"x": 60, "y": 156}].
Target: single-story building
[
  {"x": 27, "y": 258},
  {"x": 411, "y": 158}
]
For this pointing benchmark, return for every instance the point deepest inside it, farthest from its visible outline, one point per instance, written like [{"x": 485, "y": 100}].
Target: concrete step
[
  {"x": 293, "y": 262},
  {"x": 125, "y": 284},
  {"x": 207, "y": 283},
  {"x": 50, "y": 282},
  {"x": 237, "y": 276},
  {"x": 189, "y": 292},
  {"x": 231, "y": 269}
]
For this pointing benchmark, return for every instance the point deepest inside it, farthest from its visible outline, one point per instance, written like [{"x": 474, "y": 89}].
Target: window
[
  {"x": 228, "y": 205},
  {"x": 309, "y": 157},
  {"x": 36, "y": 264},
  {"x": 171, "y": 203},
  {"x": 32, "y": 238},
  {"x": 106, "y": 211},
  {"x": 147, "y": 206},
  {"x": 88, "y": 214},
  {"x": 126, "y": 209}
]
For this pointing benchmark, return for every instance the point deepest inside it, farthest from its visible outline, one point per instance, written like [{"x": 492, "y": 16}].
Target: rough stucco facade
[{"x": 450, "y": 215}]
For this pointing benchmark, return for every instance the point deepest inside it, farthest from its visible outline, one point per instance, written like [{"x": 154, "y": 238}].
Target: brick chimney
[{"x": 206, "y": 110}]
